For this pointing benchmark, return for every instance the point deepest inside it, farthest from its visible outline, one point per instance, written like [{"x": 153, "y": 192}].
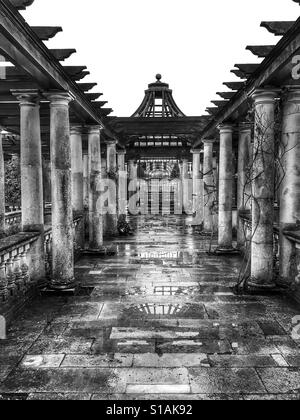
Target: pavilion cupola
[{"x": 158, "y": 102}]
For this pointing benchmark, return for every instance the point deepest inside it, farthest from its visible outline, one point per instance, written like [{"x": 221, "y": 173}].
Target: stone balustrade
[
  {"x": 13, "y": 218},
  {"x": 16, "y": 284},
  {"x": 294, "y": 275}
]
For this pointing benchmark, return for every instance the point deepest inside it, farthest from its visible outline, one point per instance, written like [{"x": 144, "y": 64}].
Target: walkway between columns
[{"x": 157, "y": 320}]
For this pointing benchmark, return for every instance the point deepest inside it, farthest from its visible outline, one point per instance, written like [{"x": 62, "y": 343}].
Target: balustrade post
[{"x": 3, "y": 283}]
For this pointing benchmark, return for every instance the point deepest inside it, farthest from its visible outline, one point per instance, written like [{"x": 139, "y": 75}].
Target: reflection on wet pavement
[{"x": 157, "y": 320}]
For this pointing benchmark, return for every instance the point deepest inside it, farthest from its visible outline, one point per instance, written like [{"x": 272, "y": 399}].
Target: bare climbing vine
[{"x": 264, "y": 151}]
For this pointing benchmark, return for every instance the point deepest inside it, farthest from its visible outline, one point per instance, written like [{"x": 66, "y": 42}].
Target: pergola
[
  {"x": 49, "y": 115},
  {"x": 35, "y": 68},
  {"x": 158, "y": 129}
]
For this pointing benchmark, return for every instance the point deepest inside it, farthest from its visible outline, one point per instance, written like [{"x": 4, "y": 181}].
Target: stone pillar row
[
  {"x": 75, "y": 183},
  {"x": 256, "y": 185}
]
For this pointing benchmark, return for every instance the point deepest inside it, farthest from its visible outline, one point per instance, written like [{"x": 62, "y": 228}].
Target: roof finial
[{"x": 158, "y": 77}]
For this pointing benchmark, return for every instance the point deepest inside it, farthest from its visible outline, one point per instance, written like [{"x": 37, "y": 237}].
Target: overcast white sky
[{"x": 193, "y": 43}]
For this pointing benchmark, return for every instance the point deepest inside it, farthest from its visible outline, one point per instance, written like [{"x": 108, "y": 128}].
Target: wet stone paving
[{"x": 158, "y": 320}]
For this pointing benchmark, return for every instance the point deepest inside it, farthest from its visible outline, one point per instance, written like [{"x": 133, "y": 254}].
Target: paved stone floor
[{"x": 157, "y": 321}]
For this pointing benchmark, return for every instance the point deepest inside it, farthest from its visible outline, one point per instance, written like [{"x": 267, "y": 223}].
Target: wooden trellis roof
[
  {"x": 274, "y": 71},
  {"x": 37, "y": 67}
]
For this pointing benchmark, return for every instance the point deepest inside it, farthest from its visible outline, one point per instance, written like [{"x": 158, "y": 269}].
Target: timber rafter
[{"x": 37, "y": 67}]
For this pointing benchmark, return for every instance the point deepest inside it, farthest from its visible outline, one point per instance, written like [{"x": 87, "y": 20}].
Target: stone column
[
  {"x": 46, "y": 165},
  {"x": 2, "y": 190},
  {"x": 225, "y": 189},
  {"x": 196, "y": 182},
  {"x": 86, "y": 179},
  {"x": 110, "y": 218},
  {"x": 47, "y": 180},
  {"x": 95, "y": 210},
  {"x": 262, "y": 257},
  {"x": 290, "y": 188},
  {"x": 111, "y": 155},
  {"x": 132, "y": 170},
  {"x": 208, "y": 191},
  {"x": 185, "y": 185},
  {"x": 86, "y": 182},
  {"x": 61, "y": 177},
  {"x": 32, "y": 202},
  {"x": 77, "y": 169},
  {"x": 122, "y": 183},
  {"x": 244, "y": 179}
]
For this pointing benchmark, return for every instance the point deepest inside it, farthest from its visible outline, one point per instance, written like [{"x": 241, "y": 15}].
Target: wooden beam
[
  {"x": 239, "y": 73},
  {"x": 21, "y": 4},
  {"x": 44, "y": 33},
  {"x": 247, "y": 69},
  {"x": 277, "y": 28},
  {"x": 62, "y": 54},
  {"x": 22, "y": 45},
  {"x": 278, "y": 62},
  {"x": 234, "y": 85},
  {"x": 85, "y": 87},
  {"x": 260, "y": 51},
  {"x": 219, "y": 103},
  {"x": 212, "y": 110},
  {"x": 226, "y": 95},
  {"x": 105, "y": 111},
  {"x": 93, "y": 96}
]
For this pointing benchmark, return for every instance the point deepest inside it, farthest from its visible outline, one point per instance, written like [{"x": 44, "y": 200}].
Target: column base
[
  {"x": 255, "y": 287},
  {"x": 98, "y": 252},
  {"x": 94, "y": 251},
  {"x": 226, "y": 251},
  {"x": 208, "y": 233},
  {"x": 55, "y": 288}
]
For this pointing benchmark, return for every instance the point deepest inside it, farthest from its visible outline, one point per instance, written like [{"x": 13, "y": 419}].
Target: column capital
[
  {"x": 292, "y": 94},
  {"x": 245, "y": 126},
  {"x": 265, "y": 96},
  {"x": 121, "y": 152},
  {"x": 226, "y": 128},
  {"x": 94, "y": 129},
  {"x": 28, "y": 97},
  {"x": 58, "y": 98},
  {"x": 111, "y": 142},
  {"x": 76, "y": 129},
  {"x": 196, "y": 151},
  {"x": 208, "y": 141}
]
